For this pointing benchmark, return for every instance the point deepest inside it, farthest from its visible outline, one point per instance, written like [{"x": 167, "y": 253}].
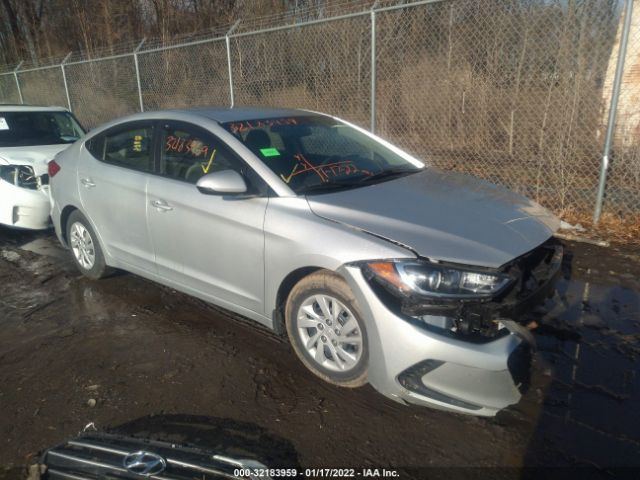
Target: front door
[{"x": 213, "y": 244}]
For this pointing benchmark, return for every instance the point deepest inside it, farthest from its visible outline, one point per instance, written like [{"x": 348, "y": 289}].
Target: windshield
[
  {"x": 317, "y": 153},
  {"x": 22, "y": 129}
]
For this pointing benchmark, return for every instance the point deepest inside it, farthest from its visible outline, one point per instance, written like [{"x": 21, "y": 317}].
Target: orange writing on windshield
[{"x": 326, "y": 171}]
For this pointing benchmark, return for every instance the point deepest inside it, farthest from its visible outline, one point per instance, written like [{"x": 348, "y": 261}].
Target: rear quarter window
[{"x": 95, "y": 146}]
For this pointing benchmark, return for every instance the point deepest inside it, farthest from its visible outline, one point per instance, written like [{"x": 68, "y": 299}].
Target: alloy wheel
[
  {"x": 82, "y": 246},
  {"x": 330, "y": 333}
]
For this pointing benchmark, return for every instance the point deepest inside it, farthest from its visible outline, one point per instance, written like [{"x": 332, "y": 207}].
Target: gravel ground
[{"x": 133, "y": 356}]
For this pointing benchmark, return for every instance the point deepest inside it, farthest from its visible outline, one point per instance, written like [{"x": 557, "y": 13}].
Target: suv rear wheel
[{"x": 326, "y": 329}]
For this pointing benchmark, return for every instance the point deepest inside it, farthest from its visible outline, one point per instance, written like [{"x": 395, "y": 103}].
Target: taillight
[{"x": 53, "y": 168}]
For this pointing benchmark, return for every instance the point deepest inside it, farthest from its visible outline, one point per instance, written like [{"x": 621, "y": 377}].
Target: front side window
[
  {"x": 189, "y": 152},
  {"x": 316, "y": 153},
  {"x": 130, "y": 148},
  {"x": 22, "y": 129}
]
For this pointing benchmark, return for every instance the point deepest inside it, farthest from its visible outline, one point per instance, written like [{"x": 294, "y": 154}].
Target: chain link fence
[
  {"x": 517, "y": 92},
  {"x": 9, "y": 88},
  {"x": 324, "y": 66},
  {"x": 183, "y": 76}
]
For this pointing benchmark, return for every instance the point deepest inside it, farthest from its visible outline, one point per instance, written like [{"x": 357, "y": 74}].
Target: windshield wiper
[
  {"x": 389, "y": 173},
  {"x": 333, "y": 185},
  {"x": 325, "y": 186}
]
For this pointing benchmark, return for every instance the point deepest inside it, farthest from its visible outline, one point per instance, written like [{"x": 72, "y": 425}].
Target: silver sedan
[{"x": 379, "y": 269}]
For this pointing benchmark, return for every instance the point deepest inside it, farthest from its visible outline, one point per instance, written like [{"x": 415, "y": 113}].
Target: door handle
[
  {"x": 161, "y": 205},
  {"x": 87, "y": 182}
]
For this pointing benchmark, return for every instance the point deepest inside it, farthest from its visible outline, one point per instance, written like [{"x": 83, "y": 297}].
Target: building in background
[{"x": 628, "y": 119}]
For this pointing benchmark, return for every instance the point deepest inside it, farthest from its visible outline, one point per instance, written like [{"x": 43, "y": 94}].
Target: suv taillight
[{"x": 53, "y": 168}]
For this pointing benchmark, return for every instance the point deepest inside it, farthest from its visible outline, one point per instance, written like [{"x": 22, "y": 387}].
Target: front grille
[{"x": 106, "y": 456}]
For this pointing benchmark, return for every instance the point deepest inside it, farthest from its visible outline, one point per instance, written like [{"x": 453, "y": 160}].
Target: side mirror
[{"x": 222, "y": 182}]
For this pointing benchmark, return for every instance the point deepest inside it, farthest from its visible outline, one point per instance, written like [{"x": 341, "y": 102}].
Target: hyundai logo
[{"x": 144, "y": 463}]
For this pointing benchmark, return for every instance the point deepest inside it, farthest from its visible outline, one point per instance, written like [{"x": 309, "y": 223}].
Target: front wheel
[
  {"x": 87, "y": 254},
  {"x": 326, "y": 329}
]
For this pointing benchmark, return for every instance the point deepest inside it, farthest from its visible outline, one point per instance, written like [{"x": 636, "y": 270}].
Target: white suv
[{"x": 29, "y": 138}]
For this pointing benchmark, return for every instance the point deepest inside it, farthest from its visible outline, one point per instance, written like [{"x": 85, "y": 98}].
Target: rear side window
[{"x": 130, "y": 147}]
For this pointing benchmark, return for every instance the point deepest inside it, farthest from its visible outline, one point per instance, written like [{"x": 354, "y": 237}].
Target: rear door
[
  {"x": 213, "y": 244},
  {"x": 112, "y": 179}
]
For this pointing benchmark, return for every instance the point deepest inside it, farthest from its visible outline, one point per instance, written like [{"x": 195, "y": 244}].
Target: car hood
[
  {"x": 443, "y": 216},
  {"x": 37, "y": 156}
]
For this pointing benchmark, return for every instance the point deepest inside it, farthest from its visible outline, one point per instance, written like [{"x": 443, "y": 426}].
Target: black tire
[
  {"x": 99, "y": 269},
  {"x": 324, "y": 282}
]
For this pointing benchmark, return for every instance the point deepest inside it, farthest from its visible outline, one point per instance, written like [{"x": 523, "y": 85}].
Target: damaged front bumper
[
  {"x": 428, "y": 359},
  {"x": 24, "y": 208}
]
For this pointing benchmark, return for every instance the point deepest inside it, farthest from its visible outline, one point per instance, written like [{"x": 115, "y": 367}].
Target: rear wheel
[
  {"x": 326, "y": 329},
  {"x": 85, "y": 248}
]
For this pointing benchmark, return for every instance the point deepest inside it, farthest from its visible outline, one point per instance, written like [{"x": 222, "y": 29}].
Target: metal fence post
[
  {"x": 373, "y": 67},
  {"x": 64, "y": 80},
  {"x": 135, "y": 60},
  {"x": 15, "y": 75},
  {"x": 613, "y": 108},
  {"x": 228, "y": 44}
]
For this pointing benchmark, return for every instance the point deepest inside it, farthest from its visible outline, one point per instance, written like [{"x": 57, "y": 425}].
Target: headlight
[
  {"x": 19, "y": 175},
  {"x": 436, "y": 281}
]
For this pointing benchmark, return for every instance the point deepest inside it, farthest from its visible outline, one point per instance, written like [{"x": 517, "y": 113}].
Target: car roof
[
  {"x": 238, "y": 114},
  {"x": 29, "y": 108}
]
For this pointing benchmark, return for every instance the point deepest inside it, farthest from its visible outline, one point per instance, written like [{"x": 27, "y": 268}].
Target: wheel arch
[
  {"x": 64, "y": 218},
  {"x": 287, "y": 284},
  {"x": 330, "y": 284}
]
